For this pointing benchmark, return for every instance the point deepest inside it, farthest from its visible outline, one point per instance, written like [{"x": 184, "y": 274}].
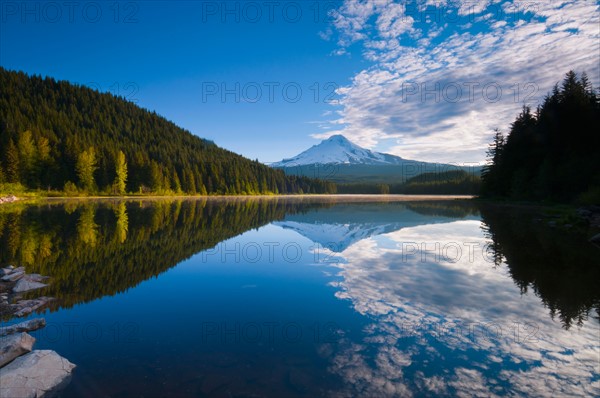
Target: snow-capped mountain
[
  {"x": 339, "y": 160},
  {"x": 338, "y": 149}
]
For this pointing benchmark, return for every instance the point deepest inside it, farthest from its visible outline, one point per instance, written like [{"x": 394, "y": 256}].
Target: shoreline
[{"x": 363, "y": 197}]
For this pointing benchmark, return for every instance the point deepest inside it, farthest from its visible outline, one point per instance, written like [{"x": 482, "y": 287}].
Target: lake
[{"x": 310, "y": 297}]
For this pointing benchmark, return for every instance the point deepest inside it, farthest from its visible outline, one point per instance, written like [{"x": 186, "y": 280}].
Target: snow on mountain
[{"x": 338, "y": 149}]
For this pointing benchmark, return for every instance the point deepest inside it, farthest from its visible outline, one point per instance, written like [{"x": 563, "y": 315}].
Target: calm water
[{"x": 307, "y": 298}]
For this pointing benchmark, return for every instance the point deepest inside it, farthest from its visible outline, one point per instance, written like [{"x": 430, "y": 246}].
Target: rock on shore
[
  {"x": 30, "y": 374},
  {"x": 40, "y": 373},
  {"x": 27, "y": 326},
  {"x": 17, "y": 281},
  {"x": 14, "y": 346},
  {"x": 8, "y": 199}
]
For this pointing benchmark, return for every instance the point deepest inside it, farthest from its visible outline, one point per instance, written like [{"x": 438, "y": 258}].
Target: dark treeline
[
  {"x": 455, "y": 182},
  {"x": 91, "y": 249},
  {"x": 58, "y": 136},
  {"x": 552, "y": 153}
]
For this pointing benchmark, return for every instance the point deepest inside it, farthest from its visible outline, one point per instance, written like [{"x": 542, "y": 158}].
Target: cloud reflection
[{"x": 451, "y": 325}]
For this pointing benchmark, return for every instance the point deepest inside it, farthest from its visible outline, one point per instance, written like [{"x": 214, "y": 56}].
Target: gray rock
[
  {"x": 13, "y": 277},
  {"x": 27, "y": 326},
  {"x": 36, "y": 277},
  {"x": 6, "y": 270},
  {"x": 595, "y": 239},
  {"x": 25, "y": 284},
  {"x": 26, "y": 307},
  {"x": 14, "y": 346},
  {"x": 40, "y": 373}
]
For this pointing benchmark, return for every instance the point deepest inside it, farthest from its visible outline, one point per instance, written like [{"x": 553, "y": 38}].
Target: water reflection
[
  {"x": 561, "y": 268},
  {"x": 96, "y": 248},
  {"x": 340, "y": 227},
  {"x": 453, "y": 298},
  {"x": 452, "y": 325},
  {"x": 447, "y": 317}
]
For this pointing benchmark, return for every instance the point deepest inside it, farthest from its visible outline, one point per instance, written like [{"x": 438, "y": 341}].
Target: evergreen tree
[
  {"x": 490, "y": 174},
  {"x": 62, "y": 119},
  {"x": 27, "y": 155},
  {"x": 551, "y": 154},
  {"x": 176, "y": 182},
  {"x": 12, "y": 162}
]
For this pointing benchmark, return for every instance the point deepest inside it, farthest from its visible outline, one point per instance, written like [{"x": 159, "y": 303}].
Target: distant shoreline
[{"x": 339, "y": 197}]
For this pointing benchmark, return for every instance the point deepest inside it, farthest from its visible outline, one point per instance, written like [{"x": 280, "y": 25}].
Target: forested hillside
[
  {"x": 453, "y": 182},
  {"x": 552, "y": 153},
  {"x": 58, "y": 136}
]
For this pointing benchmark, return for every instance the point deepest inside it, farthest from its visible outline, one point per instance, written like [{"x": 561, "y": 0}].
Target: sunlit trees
[
  {"x": 86, "y": 165},
  {"x": 45, "y": 125},
  {"x": 121, "y": 171}
]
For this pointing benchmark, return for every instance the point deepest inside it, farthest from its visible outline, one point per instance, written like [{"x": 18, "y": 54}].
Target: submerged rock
[
  {"x": 14, "y": 346},
  {"x": 26, "y": 307},
  {"x": 36, "y": 277},
  {"x": 27, "y": 326},
  {"x": 13, "y": 276},
  {"x": 40, "y": 373},
  {"x": 27, "y": 283}
]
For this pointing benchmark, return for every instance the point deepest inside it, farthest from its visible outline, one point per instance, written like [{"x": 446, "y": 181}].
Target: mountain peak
[
  {"x": 337, "y": 149},
  {"x": 338, "y": 138}
]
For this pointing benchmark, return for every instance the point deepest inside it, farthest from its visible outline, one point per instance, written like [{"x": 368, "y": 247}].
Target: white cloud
[{"x": 514, "y": 51}]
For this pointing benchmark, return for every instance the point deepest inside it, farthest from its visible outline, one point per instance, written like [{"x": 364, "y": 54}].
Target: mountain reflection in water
[{"x": 446, "y": 298}]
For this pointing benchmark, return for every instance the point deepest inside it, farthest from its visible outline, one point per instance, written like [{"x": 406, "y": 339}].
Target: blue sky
[{"x": 297, "y": 72}]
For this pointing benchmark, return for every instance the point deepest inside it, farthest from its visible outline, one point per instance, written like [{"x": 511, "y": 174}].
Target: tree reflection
[
  {"x": 92, "y": 249},
  {"x": 122, "y": 225},
  {"x": 87, "y": 229},
  {"x": 561, "y": 268}
]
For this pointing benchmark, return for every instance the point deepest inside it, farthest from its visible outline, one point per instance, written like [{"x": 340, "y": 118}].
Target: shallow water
[{"x": 275, "y": 297}]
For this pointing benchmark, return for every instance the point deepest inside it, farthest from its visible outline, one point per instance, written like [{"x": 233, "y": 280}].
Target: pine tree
[
  {"x": 492, "y": 169},
  {"x": 156, "y": 177},
  {"x": 176, "y": 182},
  {"x": 27, "y": 154},
  {"x": 61, "y": 120},
  {"x": 13, "y": 173}
]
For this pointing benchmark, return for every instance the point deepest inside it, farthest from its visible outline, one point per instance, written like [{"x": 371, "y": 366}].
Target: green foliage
[
  {"x": 552, "y": 154},
  {"x": 12, "y": 163},
  {"x": 70, "y": 188},
  {"x": 121, "y": 171},
  {"x": 127, "y": 242},
  {"x": 64, "y": 119},
  {"x": 86, "y": 166},
  {"x": 455, "y": 182},
  {"x": 11, "y": 188}
]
